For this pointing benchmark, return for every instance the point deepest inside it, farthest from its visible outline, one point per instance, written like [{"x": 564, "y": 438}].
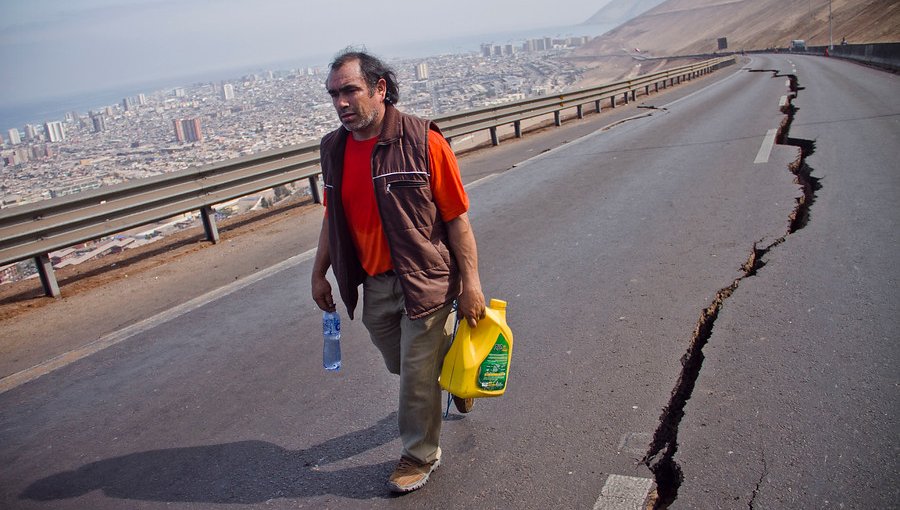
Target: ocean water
[{"x": 50, "y": 109}]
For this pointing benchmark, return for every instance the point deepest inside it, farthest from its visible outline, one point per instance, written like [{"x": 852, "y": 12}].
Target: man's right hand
[
  {"x": 321, "y": 293},
  {"x": 321, "y": 289}
]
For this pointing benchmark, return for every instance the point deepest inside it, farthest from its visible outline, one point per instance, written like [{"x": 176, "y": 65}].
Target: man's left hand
[{"x": 471, "y": 306}]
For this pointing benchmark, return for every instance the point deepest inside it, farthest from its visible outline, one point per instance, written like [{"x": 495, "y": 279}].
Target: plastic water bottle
[{"x": 331, "y": 350}]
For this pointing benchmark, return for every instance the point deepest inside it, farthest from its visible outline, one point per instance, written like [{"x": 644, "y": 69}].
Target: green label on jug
[{"x": 493, "y": 370}]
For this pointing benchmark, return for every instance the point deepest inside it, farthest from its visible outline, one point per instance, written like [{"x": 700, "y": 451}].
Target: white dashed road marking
[{"x": 766, "y": 148}]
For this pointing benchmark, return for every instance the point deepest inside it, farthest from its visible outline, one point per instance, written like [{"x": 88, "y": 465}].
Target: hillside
[
  {"x": 617, "y": 12},
  {"x": 681, "y": 27}
]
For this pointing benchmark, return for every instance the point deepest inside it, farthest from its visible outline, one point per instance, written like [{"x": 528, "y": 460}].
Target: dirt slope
[{"x": 680, "y": 27}]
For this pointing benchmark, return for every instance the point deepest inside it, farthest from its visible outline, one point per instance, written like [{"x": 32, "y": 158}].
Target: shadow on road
[{"x": 239, "y": 472}]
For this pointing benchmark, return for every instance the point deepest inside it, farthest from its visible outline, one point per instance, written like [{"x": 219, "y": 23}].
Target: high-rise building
[
  {"x": 228, "y": 92},
  {"x": 188, "y": 130},
  {"x": 192, "y": 130},
  {"x": 30, "y": 133},
  {"x": 14, "y": 138},
  {"x": 142, "y": 100},
  {"x": 485, "y": 50},
  {"x": 179, "y": 130},
  {"x": 422, "y": 71},
  {"x": 98, "y": 121},
  {"x": 179, "y": 92},
  {"x": 54, "y": 131},
  {"x": 43, "y": 151},
  {"x": 127, "y": 103}
]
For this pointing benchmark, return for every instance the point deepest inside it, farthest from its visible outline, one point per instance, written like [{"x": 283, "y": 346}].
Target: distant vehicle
[{"x": 798, "y": 45}]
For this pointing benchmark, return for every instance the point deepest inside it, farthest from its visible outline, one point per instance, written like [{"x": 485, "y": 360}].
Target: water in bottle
[{"x": 331, "y": 350}]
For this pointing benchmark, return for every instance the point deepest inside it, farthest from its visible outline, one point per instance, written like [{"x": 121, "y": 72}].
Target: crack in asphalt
[
  {"x": 660, "y": 456},
  {"x": 762, "y": 477}
]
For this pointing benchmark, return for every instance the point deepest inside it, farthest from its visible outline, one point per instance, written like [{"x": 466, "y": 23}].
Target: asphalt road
[
  {"x": 797, "y": 403},
  {"x": 607, "y": 249}
]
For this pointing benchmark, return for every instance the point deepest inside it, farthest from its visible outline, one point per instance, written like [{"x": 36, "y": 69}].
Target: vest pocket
[{"x": 400, "y": 185}]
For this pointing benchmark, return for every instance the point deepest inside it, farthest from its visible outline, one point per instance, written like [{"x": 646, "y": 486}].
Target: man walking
[{"x": 396, "y": 222}]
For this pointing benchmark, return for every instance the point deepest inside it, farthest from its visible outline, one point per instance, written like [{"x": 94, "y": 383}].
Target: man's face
[{"x": 360, "y": 109}]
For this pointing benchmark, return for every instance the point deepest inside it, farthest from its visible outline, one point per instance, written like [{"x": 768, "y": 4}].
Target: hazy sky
[{"x": 60, "y": 47}]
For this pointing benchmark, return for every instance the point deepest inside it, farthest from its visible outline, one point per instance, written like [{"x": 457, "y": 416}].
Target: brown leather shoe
[
  {"x": 463, "y": 405},
  {"x": 411, "y": 475}
]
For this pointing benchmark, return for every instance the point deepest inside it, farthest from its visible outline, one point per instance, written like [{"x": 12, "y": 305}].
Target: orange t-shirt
[{"x": 358, "y": 196}]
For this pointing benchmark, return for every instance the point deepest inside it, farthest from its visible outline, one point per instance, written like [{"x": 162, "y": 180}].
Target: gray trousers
[{"x": 415, "y": 350}]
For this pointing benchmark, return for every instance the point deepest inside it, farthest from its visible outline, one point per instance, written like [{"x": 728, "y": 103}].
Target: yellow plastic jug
[{"x": 477, "y": 364}]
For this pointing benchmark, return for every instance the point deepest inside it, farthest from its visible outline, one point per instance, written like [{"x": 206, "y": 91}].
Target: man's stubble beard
[{"x": 361, "y": 122}]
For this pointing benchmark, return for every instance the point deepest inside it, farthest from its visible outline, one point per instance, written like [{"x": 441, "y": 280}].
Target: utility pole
[
  {"x": 830, "y": 20},
  {"x": 812, "y": 24}
]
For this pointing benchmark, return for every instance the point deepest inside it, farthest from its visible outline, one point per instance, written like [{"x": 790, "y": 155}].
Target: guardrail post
[
  {"x": 580, "y": 110},
  {"x": 647, "y": 90},
  {"x": 517, "y": 125},
  {"x": 208, "y": 214},
  {"x": 495, "y": 140},
  {"x": 314, "y": 188},
  {"x": 597, "y": 105},
  {"x": 656, "y": 87},
  {"x": 612, "y": 102},
  {"x": 557, "y": 118},
  {"x": 634, "y": 94},
  {"x": 48, "y": 276},
  {"x": 626, "y": 98}
]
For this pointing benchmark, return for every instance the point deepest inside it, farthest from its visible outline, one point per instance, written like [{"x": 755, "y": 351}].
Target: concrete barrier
[{"x": 886, "y": 55}]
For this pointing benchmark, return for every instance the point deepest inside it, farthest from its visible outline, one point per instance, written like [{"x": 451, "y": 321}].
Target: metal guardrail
[{"x": 34, "y": 230}]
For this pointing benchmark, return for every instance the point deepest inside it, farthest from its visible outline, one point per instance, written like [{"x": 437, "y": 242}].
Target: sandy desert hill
[{"x": 683, "y": 27}]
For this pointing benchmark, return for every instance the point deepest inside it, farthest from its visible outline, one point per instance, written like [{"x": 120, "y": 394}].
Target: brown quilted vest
[{"x": 416, "y": 234}]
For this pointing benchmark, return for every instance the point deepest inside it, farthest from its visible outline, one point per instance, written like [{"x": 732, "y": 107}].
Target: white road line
[
  {"x": 782, "y": 102},
  {"x": 766, "y": 148},
  {"x": 624, "y": 493},
  {"x": 29, "y": 374},
  {"x": 479, "y": 182}
]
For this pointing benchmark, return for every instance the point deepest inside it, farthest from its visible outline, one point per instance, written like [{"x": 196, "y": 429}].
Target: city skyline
[
  {"x": 206, "y": 123},
  {"x": 167, "y": 130},
  {"x": 68, "y": 48}
]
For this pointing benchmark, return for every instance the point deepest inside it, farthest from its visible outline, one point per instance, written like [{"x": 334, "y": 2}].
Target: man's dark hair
[{"x": 373, "y": 69}]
